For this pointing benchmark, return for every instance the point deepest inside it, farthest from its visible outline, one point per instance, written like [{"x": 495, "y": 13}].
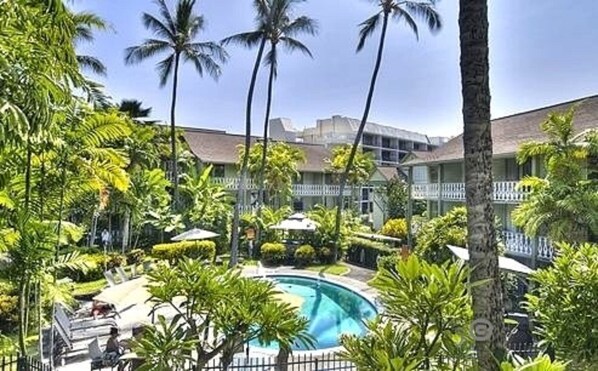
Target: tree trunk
[
  {"x": 28, "y": 176},
  {"x": 174, "y": 158},
  {"x": 364, "y": 120},
  {"x": 39, "y": 322},
  {"x": 262, "y": 176},
  {"x": 22, "y": 326},
  {"x": 477, "y": 142},
  {"x": 282, "y": 360},
  {"x": 241, "y": 190},
  {"x": 125, "y": 230},
  {"x": 94, "y": 228}
]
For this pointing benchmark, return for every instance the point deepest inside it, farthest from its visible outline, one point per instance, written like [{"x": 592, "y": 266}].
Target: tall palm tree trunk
[
  {"x": 364, "y": 120},
  {"x": 477, "y": 141},
  {"x": 262, "y": 176},
  {"x": 175, "y": 173},
  {"x": 241, "y": 189}
]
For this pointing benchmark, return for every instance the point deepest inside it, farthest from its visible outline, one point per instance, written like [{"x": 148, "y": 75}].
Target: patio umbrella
[
  {"x": 296, "y": 222},
  {"x": 504, "y": 263},
  {"x": 194, "y": 234}
]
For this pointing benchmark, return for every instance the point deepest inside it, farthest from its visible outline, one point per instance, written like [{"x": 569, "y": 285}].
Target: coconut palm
[
  {"x": 405, "y": 11},
  {"x": 176, "y": 37},
  {"x": 275, "y": 25},
  {"x": 134, "y": 109},
  {"x": 477, "y": 142},
  {"x": 85, "y": 23}
]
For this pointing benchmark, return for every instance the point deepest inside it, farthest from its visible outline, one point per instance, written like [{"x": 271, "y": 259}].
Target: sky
[{"x": 542, "y": 52}]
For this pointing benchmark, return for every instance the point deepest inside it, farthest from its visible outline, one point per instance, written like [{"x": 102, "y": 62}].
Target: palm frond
[
  {"x": 165, "y": 68},
  {"x": 245, "y": 39},
  {"x": 148, "y": 49},
  {"x": 85, "y": 22},
  {"x": 426, "y": 11},
  {"x": 203, "y": 63},
  {"x": 166, "y": 15},
  {"x": 295, "y": 45},
  {"x": 92, "y": 64},
  {"x": 134, "y": 108},
  {"x": 213, "y": 49},
  {"x": 400, "y": 14},
  {"x": 95, "y": 94},
  {"x": 301, "y": 25},
  {"x": 367, "y": 29},
  {"x": 157, "y": 27}
]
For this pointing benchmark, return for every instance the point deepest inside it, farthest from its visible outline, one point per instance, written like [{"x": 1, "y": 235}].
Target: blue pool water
[{"x": 332, "y": 310}]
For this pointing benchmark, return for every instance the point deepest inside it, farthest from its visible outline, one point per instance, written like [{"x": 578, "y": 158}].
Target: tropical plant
[
  {"x": 540, "y": 363},
  {"x": 177, "y": 37},
  {"x": 396, "y": 228},
  {"x": 564, "y": 204},
  {"x": 324, "y": 235},
  {"x": 268, "y": 217},
  {"x": 361, "y": 170},
  {"x": 165, "y": 221},
  {"x": 223, "y": 310},
  {"x": 203, "y": 250},
  {"x": 425, "y": 324},
  {"x": 208, "y": 201},
  {"x": 279, "y": 172},
  {"x": 134, "y": 109},
  {"x": 273, "y": 253},
  {"x": 477, "y": 147},
  {"x": 564, "y": 304},
  {"x": 85, "y": 23},
  {"x": 276, "y": 26},
  {"x": 434, "y": 236},
  {"x": 305, "y": 255},
  {"x": 399, "y": 11}
]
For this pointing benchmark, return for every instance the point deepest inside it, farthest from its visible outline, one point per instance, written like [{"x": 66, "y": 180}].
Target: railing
[
  {"x": 504, "y": 192},
  {"x": 329, "y": 362},
  {"x": 298, "y": 189},
  {"x": 522, "y": 245},
  {"x": 21, "y": 363}
]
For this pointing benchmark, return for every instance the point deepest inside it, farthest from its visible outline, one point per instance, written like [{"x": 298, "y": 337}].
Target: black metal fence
[
  {"x": 328, "y": 362},
  {"x": 21, "y": 363}
]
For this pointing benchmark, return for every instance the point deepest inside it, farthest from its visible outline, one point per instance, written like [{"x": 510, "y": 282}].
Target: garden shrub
[
  {"x": 305, "y": 255},
  {"x": 448, "y": 229},
  {"x": 326, "y": 255},
  {"x": 396, "y": 228},
  {"x": 9, "y": 302},
  {"x": 135, "y": 256},
  {"x": 273, "y": 253},
  {"x": 389, "y": 262},
  {"x": 365, "y": 252},
  {"x": 94, "y": 267},
  {"x": 564, "y": 304},
  {"x": 203, "y": 250}
]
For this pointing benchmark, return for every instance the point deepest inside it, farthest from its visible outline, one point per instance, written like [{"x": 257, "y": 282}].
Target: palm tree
[
  {"x": 176, "y": 36},
  {"x": 276, "y": 26},
  {"x": 477, "y": 145},
  {"x": 405, "y": 11},
  {"x": 133, "y": 108}
]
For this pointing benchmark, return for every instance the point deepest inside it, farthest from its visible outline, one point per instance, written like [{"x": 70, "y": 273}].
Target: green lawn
[
  {"x": 336, "y": 269},
  {"x": 89, "y": 288}
]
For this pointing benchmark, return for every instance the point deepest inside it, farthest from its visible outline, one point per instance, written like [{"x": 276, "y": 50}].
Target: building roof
[
  {"x": 509, "y": 132},
  {"x": 219, "y": 147},
  {"x": 388, "y": 172}
]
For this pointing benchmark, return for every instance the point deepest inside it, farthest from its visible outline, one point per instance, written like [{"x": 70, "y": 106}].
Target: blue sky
[{"x": 542, "y": 52}]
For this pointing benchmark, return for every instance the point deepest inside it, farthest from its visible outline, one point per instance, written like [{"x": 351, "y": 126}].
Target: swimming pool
[{"x": 332, "y": 310}]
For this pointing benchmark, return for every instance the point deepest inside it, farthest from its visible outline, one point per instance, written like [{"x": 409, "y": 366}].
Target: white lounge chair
[
  {"x": 121, "y": 272},
  {"x": 110, "y": 278},
  {"x": 75, "y": 324}
]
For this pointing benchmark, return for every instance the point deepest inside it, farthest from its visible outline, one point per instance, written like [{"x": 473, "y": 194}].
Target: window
[{"x": 218, "y": 171}]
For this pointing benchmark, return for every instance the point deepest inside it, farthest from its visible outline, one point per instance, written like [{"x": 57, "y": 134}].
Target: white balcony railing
[
  {"x": 505, "y": 192},
  {"x": 522, "y": 245},
  {"x": 298, "y": 189}
]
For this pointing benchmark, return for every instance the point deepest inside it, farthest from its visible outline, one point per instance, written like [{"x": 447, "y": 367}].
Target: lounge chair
[
  {"x": 110, "y": 278},
  {"x": 96, "y": 355},
  {"x": 75, "y": 324},
  {"x": 123, "y": 275},
  {"x": 80, "y": 333}
]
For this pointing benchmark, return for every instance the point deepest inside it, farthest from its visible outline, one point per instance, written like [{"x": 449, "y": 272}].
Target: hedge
[
  {"x": 204, "y": 250},
  {"x": 305, "y": 255},
  {"x": 365, "y": 252},
  {"x": 273, "y": 253}
]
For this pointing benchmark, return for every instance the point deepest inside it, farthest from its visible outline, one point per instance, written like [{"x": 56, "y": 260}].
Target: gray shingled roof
[
  {"x": 388, "y": 172},
  {"x": 218, "y": 147},
  {"x": 509, "y": 132}
]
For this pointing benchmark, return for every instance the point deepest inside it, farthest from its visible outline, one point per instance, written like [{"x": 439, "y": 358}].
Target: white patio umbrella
[
  {"x": 507, "y": 264},
  {"x": 194, "y": 234},
  {"x": 296, "y": 222}
]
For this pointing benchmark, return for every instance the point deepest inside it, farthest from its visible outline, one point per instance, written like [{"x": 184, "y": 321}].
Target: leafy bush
[
  {"x": 94, "y": 267},
  {"x": 273, "y": 253},
  {"x": 305, "y": 255},
  {"x": 389, "y": 262},
  {"x": 8, "y": 307},
  {"x": 564, "y": 304},
  {"x": 204, "y": 250},
  {"x": 396, "y": 228},
  {"x": 135, "y": 256},
  {"x": 448, "y": 229},
  {"x": 365, "y": 252},
  {"x": 325, "y": 255}
]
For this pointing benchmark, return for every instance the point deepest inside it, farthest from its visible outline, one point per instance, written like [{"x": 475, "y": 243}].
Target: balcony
[
  {"x": 298, "y": 189},
  {"x": 504, "y": 192},
  {"x": 522, "y": 245}
]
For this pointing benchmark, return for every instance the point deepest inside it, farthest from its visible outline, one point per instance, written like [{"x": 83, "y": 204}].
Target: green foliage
[
  {"x": 565, "y": 203},
  {"x": 209, "y": 202},
  {"x": 540, "y": 363},
  {"x": 325, "y": 255},
  {"x": 448, "y": 229},
  {"x": 273, "y": 253},
  {"x": 203, "y": 250},
  {"x": 8, "y": 307},
  {"x": 93, "y": 267},
  {"x": 324, "y": 235},
  {"x": 269, "y": 217},
  {"x": 425, "y": 324},
  {"x": 281, "y": 168},
  {"x": 396, "y": 228},
  {"x": 564, "y": 304},
  {"x": 363, "y": 164},
  {"x": 135, "y": 256},
  {"x": 389, "y": 262},
  {"x": 222, "y": 311},
  {"x": 304, "y": 255},
  {"x": 369, "y": 250}
]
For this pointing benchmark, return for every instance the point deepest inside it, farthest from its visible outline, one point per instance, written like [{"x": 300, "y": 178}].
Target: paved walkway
[{"x": 359, "y": 273}]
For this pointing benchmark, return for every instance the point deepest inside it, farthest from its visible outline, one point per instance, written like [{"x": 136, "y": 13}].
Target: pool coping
[{"x": 358, "y": 287}]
